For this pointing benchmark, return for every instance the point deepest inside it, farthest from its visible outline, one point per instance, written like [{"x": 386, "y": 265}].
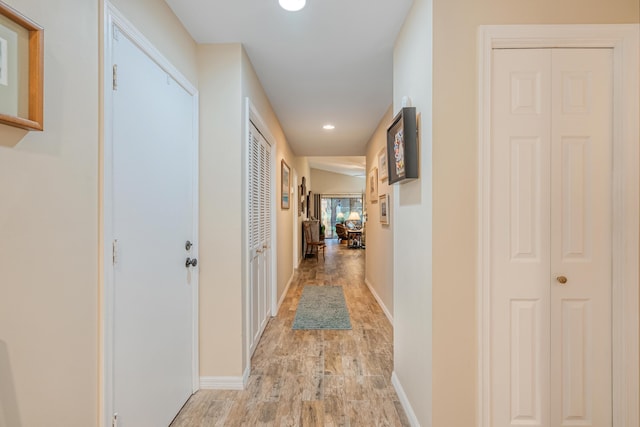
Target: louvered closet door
[
  {"x": 551, "y": 204},
  {"x": 260, "y": 233}
]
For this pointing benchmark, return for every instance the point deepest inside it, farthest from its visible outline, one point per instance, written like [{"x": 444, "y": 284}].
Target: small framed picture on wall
[
  {"x": 383, "y": 169},
  {"x": 373, "y": 185},
  {"x": 286, "y": 185},
  {"x": 384, "y": 209}
]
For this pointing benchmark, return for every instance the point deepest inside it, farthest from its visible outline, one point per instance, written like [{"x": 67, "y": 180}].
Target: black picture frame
[
  {"x": 402, "y": 147},
  {"x": 302, "y": 196}
]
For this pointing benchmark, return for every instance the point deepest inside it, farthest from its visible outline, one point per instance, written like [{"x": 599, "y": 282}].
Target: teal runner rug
[{"x": 322, "y": 307}]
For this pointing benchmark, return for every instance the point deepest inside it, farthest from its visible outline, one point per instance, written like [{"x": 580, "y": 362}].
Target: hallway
[{"x": 314, "y": 378}]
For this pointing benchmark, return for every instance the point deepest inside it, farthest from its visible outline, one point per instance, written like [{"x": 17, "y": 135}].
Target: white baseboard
[
  {"x": 284, "y": 294},
  {"x": 225, "y": 383},
  {"x": 380, "y": 302},
  {"x": 411, "y": 416},
  {"x": 245, "y": 376}
]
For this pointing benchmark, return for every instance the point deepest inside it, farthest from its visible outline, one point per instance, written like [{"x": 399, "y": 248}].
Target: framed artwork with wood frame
[
  {"x": 373, "y": 185},
  {"x": 21, "y": 70},
  {"x": 383, "y": 171},
  {"x": 384, "y": 209},
  {"x": 285, "y": 186}
]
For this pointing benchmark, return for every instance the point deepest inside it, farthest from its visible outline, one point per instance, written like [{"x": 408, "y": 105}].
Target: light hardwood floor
[{"x": 314, "y": 378}]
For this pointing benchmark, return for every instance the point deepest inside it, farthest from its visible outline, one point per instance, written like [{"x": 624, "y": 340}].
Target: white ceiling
[
  {"x": 328, "y": 63},
  {"x": 346, "y": 165}
]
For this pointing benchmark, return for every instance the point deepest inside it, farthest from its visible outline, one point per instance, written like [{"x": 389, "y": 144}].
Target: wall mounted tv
[{"x": 402, "y": 146}]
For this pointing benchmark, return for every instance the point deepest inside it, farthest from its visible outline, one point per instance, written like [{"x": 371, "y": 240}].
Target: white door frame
[
  {"x": 112, "y": 18},
  {"x": 624, "y": 40},
  {"x": 296, "y": 223},
  {"x": 251, "y": 115}
]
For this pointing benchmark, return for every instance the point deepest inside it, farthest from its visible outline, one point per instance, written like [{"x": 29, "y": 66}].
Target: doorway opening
[{"x": 340, "y": 209}]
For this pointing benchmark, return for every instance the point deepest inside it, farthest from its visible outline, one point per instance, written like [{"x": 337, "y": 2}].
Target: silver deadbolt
[
  {"x": 191, "y": 262},
  {"x": 188, "y": 245}
]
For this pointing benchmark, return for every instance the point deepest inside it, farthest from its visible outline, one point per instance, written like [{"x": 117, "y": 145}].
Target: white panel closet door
[
  {"x": 581, "y": 208},
  {"x": 152, "y": 172},
  {"x": 551, "y": 219},
  {"x": 520, "y": 237}
]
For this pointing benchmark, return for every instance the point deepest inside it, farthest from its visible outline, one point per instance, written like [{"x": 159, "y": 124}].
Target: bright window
[{"x": 336, "y": 209}]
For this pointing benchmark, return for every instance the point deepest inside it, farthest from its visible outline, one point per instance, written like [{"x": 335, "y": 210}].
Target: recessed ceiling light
[
  {"x": 328, "y": 127},
  {"x": 292, "y": 5}
]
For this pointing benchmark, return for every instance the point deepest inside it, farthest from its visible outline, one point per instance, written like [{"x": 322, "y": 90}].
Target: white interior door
[
  {"x": 153, "y": 213},
  {"x": 581, "y": 212},
  {"x": 551, "y": 204},
  {"x": 260, "y": 233}
]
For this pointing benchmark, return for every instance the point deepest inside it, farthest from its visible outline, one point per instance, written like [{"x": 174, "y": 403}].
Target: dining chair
[{"x": 311, "y": 243}]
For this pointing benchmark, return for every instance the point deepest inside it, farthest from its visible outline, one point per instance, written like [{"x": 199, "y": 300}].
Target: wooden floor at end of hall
[{"x": 314, "y": 377}]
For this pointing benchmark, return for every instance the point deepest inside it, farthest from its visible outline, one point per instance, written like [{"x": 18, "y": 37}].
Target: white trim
[
  {"x": 380, "y": 302},
  {"x": 624, "y": 40},
  {"x": 245, "y": 231},
  {"x": 221, "y": 383},
  {"x": 404, "y": 401},
  {"x": 115, "y": 17},
  {"x": 225, "y": 383},
  {"x": 195, "y": 272},
  {"x": 295, "y": 258},
  {"x": 245, "y": 376},
  {"x": 111, "y": 18},
  {"x": 251, "y": 115},
  {"x": 284, "y": 294},
  {"x": 106, "y": 232},
  {"x": 246, "y": 252}
]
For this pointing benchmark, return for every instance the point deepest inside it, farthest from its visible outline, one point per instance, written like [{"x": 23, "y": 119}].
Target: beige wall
[
  {"x": 49, "y": 219},
  {"x": 453, "y": 208},
  {"x": 325, "y": 182},
  {"x": 252, "y": 88},
  {"x": 49, "y": 233},
  {"x": 412, "y": 218},
  {"x": 302, "y": 169},
  {"x": 49, "y": 293},
  {"x": 455, "y": 25},
  {"x": 156, "y": 21},
  {"x": 221, "y": 205},
  {"x": 226, "y": 79},
  {"x": 379, "y": 260}
]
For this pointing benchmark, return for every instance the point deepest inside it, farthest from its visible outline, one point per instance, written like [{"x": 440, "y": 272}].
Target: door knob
[
  {"x": 191, "y": 262},
  {"x": 561, "y": 279}
]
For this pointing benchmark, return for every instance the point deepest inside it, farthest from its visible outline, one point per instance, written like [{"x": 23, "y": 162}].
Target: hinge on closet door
[
  {"x": 114, "y": 420},
  {"x": 115, "y": 76}
]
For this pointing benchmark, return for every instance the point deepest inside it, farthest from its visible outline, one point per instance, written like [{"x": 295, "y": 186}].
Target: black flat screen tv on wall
[{"x": 402, "y": 146}]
